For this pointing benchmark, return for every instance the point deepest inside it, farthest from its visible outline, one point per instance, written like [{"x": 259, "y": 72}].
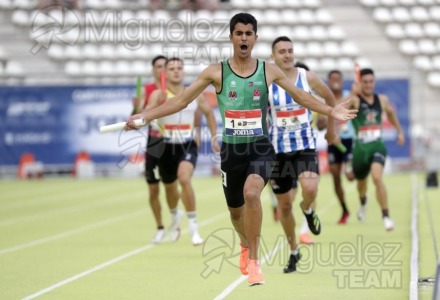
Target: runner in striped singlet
[{"x": 294, "y": 140}]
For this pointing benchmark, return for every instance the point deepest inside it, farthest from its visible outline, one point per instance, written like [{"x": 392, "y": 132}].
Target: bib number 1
[{"x": 244, "y": 123}]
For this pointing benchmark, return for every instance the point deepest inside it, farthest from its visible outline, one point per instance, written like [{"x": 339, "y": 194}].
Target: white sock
[
  {"x": 191, "y": 215},
  {"x": 273, "y": 198},
  {"x": 294, "y": 252},
  {"x": 192, "y": 221},
  {"x": 304, "y": 227},
  {"x": 173, "y": 211},
  {"x": 308, "y": 211}
]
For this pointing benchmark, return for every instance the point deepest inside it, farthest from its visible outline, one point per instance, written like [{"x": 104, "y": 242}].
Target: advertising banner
[{"x": 56, "y": 123}]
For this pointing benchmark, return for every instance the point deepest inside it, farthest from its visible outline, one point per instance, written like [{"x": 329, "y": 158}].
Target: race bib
[
  {"x": 177, "y": 132},
  {"x": 369, "y": 133},
  {"x": 243, "y": 122},
  {"x": 292, "y": 119}
]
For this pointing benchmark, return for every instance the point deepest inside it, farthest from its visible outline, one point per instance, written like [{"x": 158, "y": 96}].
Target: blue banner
[{"x": 56, "y": 123}]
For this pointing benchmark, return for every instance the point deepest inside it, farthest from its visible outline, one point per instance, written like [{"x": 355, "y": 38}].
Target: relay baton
[
  {"x": 138, "y": 86},
  {"x": 357, "y": 73},
  {"x": 121, "y": 125},
  {"x": 163, "y": 81},
  {"x": 139, "y": 92},
  {"x": 341, "y": 147},
  {"x": 163, "y": 86}
]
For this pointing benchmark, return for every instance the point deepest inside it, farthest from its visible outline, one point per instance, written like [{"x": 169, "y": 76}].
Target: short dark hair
[
  {"x": 157, "y": 58},
  {"x": 173, "y": 59},
  {"x": 334, "y": 72},
  {"x": 280, "y": 39},
  {"x": 301, "y": 65},
  {"x": 244, "y": 18},
  {"x": 366, "y": 71}
]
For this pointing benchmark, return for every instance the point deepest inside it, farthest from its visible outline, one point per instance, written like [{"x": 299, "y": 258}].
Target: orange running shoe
[
  {"x": 255, "y": 276},
  {"x": 305, "y": 238},
  {"x": 244, "y": 259}
]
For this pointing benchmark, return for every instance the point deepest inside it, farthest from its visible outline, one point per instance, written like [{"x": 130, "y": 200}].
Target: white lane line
[
  {"x": 72, "y": 232},
  {"x": 18, "y": 189},
  {"x": 101, "y": 201},
  {"x": 113, "y": 261},
  {"x": 242, "y": 278},
  {"x": 414, "y": 260},
  {"x": 89, "y": 271},
  {"x": 53, "y": 195},
  {"x": 75, "y": 208}
]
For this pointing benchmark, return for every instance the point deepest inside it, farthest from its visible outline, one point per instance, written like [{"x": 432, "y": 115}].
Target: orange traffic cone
[
  {"x": 25, "y": 159},
  {"x": 82, "y": 156}
]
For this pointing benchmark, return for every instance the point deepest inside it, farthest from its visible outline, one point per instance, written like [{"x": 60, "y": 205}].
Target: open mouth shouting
[{"x": 243, "y": 48}]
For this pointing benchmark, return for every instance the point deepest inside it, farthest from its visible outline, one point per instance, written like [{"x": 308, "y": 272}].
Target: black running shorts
[
  {"x": 335, "y": 156},
  {"x": 289, "y": 166},
  {"x": 155, "y": 148},
  {"x": 238, "y": 161},
  {"x": 172, "y": 156}
]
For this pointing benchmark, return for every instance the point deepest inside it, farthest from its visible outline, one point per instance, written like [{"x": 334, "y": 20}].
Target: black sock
[
  {"x": 385, "y": 213},
  {"x": 363, "y": 200},
  {"x": 344, "y": 207},
  {"x": 160, "y": 227}
]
